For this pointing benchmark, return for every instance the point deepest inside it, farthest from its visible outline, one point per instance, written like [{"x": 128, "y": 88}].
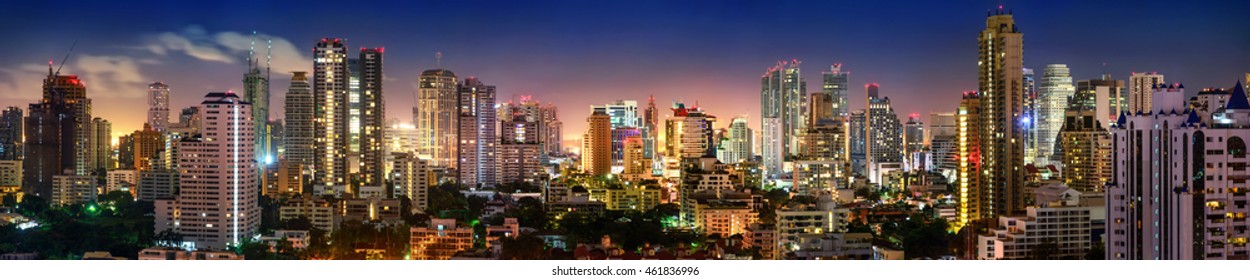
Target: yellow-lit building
[
  {"x": 639, "y": 198},
  {"x": 969, "y": 158},
  {"x": 440, "y": 240}
]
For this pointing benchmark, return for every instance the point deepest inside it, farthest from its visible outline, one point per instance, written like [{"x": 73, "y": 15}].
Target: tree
[
  {"x": 523, "y": 247},
  {"x": 1045, "y": 250},
  {"x": 1096, "y": 252},
  {"x": 169, "y": 238}
]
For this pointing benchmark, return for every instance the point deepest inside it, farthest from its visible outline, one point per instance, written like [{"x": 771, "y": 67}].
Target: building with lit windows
[
  {"x": 597, "y": 144},
  {"x": 440, "y": 240},
  {"x": 217, "y": 204},
  {"x": 436, "y": 116},
  {"x": 11, "y": 133},
  {"x": 101, "y": 145},
  {"x": 56, "y": 134},
  {"x": 913, "y": 142},
  {"x": 120, "y": 180},
  {"x": 813, "y": 177},
  {"x": 1053, "y": 93},
  {"x": 322, "y": 214},
  {"x": 330, "y": 125},
  {"x": 372, "y": 116},
  {"x": 717, "y": 213},
  {"x": 1067, "y": 229},
  {"x": 1086, "y": 146},
  {"x": 521, "y": 150},
  {"x": 835, "y": 86},
  {"x": 11, "y": 173},
  {"x": 256, "y": 92},
  {"x": 158, "y": 106},
  {"x": 69, "y": 189},
  {"x": 413, "y": 178},
  {"x": 833, "y": 246},
  {"x": 883, "y": 131},
  {"x": 1000, "y": 87},
  {"x": 635, "y": 161},
  {"x": 477, "y": 159},
  {"x": 738, "y": 142},
  {"x": 970, "y": 192},
  {"x": 629, "y": 197},
  {"x": 688, "y": 135},
  {"x": 157, "y": 184},
  {"x": 1140, "y": 88},
  {"x": 299, "y": 121},
  {"x": 1105, "y": 96},
  {"x": 783, "y": 112},
  {"x": 824, "y": 217}
]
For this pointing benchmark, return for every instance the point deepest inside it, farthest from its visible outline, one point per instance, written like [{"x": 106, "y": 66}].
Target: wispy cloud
[{"x": 229, "y": 47}]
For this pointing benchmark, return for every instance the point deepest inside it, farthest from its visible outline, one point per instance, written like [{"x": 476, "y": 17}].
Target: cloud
[
  {"x": 111, "y": 76},
  {"x": 24, "y": 82},
  {"x": 229, "y": 47}
]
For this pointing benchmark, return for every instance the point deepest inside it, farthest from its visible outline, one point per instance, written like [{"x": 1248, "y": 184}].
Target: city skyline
[{"x": 682, "y": 58}]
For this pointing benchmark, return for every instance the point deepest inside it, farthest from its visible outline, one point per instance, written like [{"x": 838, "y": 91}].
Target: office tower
[
  {"x": 650, "y": 129},
  {"x": 520, "y": 150},
  {"x": 101, "y": 145},
  {"x": 126, "y": 152},
  {"x": 941, "y": 123},
  {"x": 217, "y": 205},
  {"x": 972, "y": 196},
  {"x": 56, "y": 133},
  {"x": 277, "y": 139},
  {"x": 437, "y": 116},
  {"x": 943, "y": 142},
  {"x": 329, "y": 87},
  {"x": 913, "y": 135},
  {"x": 256, "y": 92},
  {"x": 1177, "y": 188},
  {"x": 819, "y": 107},
  {"x": 299, "y": 120},
  {"x": 857, "y": 138},
  {"x": 373, "y": 105},
  {"x": 553, "y": 130},
  {"x": 353, "y": 113},
  {"x": 1086, "y": 146},
  {"x": 1028, "y": 119},
  {"x": 884, "y": 142},
  {"x": 1140, "y": 87},
  {"x": 1052, "y": 100},
  {"x": 835, "y": 86},
  {"x": 618, "y": 143},
  {"x": 413, "y": 178},
  {"x": 687, "y": 135},
  {"x": 634, "y": 162},
  {"x": 783, "y": 112},
  {"x": 476, "y": 162},
  {"x": 158, "y": 106},
  {"x": 624, "y": 113},
  {"x": 290, "y": 179},
  {"x": 11, "y": 133},
  {"x": 148, "y": 144},
  {"x": 736, "y": 146},
  {"x": 188, "y": 121},
  {"x": 1002, "y": 135},
  {"x": 1104, "y": 96},
  {"x": 597, "y": 144},
  {"x": 69, "y": 188},
  {"x": 822, "y": 163},
  {"x": 825, "y": 140}
]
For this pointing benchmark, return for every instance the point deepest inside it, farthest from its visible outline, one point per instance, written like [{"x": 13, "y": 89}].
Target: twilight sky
[{"x": 577, "y": 53}]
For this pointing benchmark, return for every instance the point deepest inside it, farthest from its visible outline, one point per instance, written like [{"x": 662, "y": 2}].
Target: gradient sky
[{"x": 577, "y": 53}]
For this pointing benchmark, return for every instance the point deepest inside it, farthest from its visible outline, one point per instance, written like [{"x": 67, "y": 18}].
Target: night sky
[{"x": 577, "y": 53}]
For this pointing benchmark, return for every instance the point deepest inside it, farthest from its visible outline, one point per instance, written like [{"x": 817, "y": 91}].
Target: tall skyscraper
[
  {"x": 972, "y": 199},
  {"x": 300, "y": 120},
  {"x": 819, "y": 107},
  {"x": 913, "y": 135},
  {"x": 477, "y": 159},
  {"x": 835, "y": 86},
  {"x": 1105, "y": 96},
  {"x": 553, "y": 130},
  {"x": 353, "y": 113},
  {"x": 372, "y": 118},
  {"x": 1140, "y": 87},
  {"x": 329, "y": 87},
  {"x": 736, "y": 146},
  {"x": 1052, "y": 100},
  {"x": 597, "y": 144},
  {"x": 687, "y": 135},
  {"x": 146, "y": 146},
  {"x": 158, "y": 106},
  {"x": 943, "y": 142},
  {"x": 857, "y": 138},
  {"x": 1001, "y": 59},
  {"x": 101, "y": 147},
  {"x": 1029, "y": 119},
  {"x": 624, "y": 113},
  {"x": 413, "y": 178},
  {"x": 11, "y": 134},
  {"x": 256, "y": 92},
  {"x": 650, "y": 122},
  {"x": 1086, "y": 146},
  {"x": 56, "y": 134},
  {"x": 783, "y": 102},
  {"x": 217, "y": 205},
  {"x": 437, "y": 116},
  {"x": 520, "y": 150},
  {"x": 884, "y": 131}
]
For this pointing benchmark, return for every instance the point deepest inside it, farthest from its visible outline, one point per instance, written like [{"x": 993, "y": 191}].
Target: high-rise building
[
  {"x": 597, "y": 144},
  {"x": 520, "y": 150},
  {"x": 825, "y": 140},
  {"x": 884, "y": 142},
  {"x": 835, "y": 86},
  {"x": 1140, "y": 87},
  {"x": 256, "y": 92},
  {"x": 353, "y": 113},
  {"x": 1086, "y": 146},
  {"x": 819, "y": 107},
  {"x": 624, "y": 113},
  {"x": 69, "y": 188},
  {"x": 783, "y": 113},
  {"x": 619, "y": 135},
  {"x": 217, "y": 205},
  {"x": 1028, "y": 120},
  {"x": 413, "y": 179},
  {"x": 1052, "y": 100},
  {"x": 329, "y": 87},
  {"x": 1104, "y": 96},
  {"x": 158, "y": 106},
  {"x": 972, "y": 204},
  {"x": 650, "y": 130},
  {"x": 688, "y": 134},
  {"x": 372, "y": 116},
  {"x": 913, "y": 135},
  {"x": 56, "y": 134},
  {"x": 1177, "y": 185},
  {"x": 736, "y": 146},
  {"x": 477, "y": 159},
  {"x": 857, "y": 138},
  {"x": 437, "y": 116},
  {"x": 1000, "y": 88},
  {"x": 148, "y": 145},
  {"x": 11, "y": 133},
  {"x": 101, "y": 149},
  {"x": 634, "y": 162},
  {"x": 943, "y": 142},
  {"x": 299, "y": 120}
]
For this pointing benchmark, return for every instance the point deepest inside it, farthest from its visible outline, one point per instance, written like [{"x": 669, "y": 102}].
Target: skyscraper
[
  {"x": 372, "y": 116},
  {"x": 1029, "y": 118},
  {"x": 1052, "y": 100},
  {"x": 650, "y": 122},
  {"x": 256, "y": 92},
  {"x": 624, "y": 113},
  {"x": 634, "y": 162},
  {"x": 1000, "y": 88},
  {"x": 158, "y": 106},
  {"x": 972, "y": 196},
  {"x": 11, "y": 133},
  {"x": 329, "y": 87},
  {"x": 477, "y": 159},
  {"x": 520, "y": 150},
  {"x": 597, "y": 144},
  {"x": 835, "y": 86},
  {"x": 884, "y": 133},
  {"x": 146, "y": 146},
  {"x": 857, "y": 137},
  {"x": 100, "y": 153},
  {"x": 687, "y": 135},
  {"x": 299, "y": 120},
  {"x": 736, "y": 146},
  {"x": 783, "y": 102},
  {"x": 1140, "y": 87},
  {"x": 217, "y": 205},
  {"x": 1105, "y": 96},
  {"x": 437, "y": 116},
  {"x": 913, "y": 137},
  {"x": 1086, "y": 146},
  {"x": 56, "y": 134}
]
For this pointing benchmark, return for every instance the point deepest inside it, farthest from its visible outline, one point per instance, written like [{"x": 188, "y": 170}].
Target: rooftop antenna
[
  {"x": 268, "y": 57},
  {"x": 438, "y": 59},
  {"x": 251, "y": 50}
]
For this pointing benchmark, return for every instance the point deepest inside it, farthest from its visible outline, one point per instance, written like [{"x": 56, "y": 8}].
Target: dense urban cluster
[{"x": 1027, "y": 166}]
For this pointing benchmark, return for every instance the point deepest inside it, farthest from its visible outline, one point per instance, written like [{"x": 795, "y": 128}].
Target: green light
[{"x": 91, "y": 209}]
